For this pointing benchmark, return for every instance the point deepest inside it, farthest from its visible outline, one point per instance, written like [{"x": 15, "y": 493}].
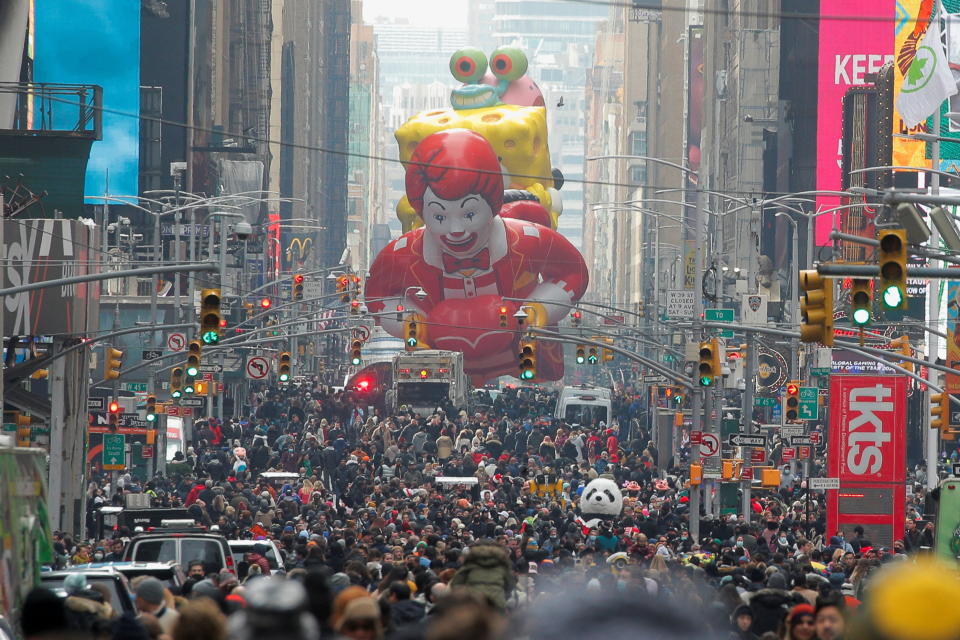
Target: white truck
[
  {"x": 584, "y": 406},
  {"x": 426, "y": 379}
]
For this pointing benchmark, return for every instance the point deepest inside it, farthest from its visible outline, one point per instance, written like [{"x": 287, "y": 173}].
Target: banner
[
  {"x": 908, "y": 34},
  {"x": 867, "y": 453},
  {"x": 952, "y": 383},
  {"x": 848, "y": 52}
]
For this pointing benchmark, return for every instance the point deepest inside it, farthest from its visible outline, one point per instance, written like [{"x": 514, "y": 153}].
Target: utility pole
[
  {"x": 749, "y": 387},
  {"x": 696, "y": 396},
  {"x": 932, "y": 448}
]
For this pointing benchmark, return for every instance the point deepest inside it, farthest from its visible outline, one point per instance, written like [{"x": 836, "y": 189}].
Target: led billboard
[{"x": 97, "y": 42}]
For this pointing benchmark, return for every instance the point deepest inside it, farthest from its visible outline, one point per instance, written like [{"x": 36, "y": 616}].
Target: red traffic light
[
  {"x": 298, "y": 278},
  {"x": 223, "y": 322},
  {"x": 503, "y": 309},
  {"x": 576, "y": 315},
  {"x": 792, "y": 389},
  {"x": 266, "y": 303},
  {"x": 114, "y": 407},
  {"x": 399, "y": 308},
  {"x": 356, "y": 279},
  {"x": 363, "y": 385}
]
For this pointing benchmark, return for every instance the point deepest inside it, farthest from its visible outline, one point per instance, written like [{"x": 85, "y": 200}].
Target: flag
[{"x": 928, "y": 81}]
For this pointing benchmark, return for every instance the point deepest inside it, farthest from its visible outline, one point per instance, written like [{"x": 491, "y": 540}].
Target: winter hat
[
  {"x": 151, "y": 591},
  {"x": 75, "y": 583},
  {"x": 776, "y": 581}
]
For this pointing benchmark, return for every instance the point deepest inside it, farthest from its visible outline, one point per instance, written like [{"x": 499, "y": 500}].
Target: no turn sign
[
  {"x": 257, "y": 368},
  {"x": 709, "y": 445},
  {"x": 176, "y": 341}
]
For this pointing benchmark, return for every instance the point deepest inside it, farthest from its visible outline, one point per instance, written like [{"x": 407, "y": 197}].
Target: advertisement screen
[
  {"x": 848, "y": 52},
  {"x": 96, "y": 42},
  {"x": 867, "y": 452}
]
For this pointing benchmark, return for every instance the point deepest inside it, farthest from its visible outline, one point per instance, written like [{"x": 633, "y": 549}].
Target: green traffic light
[
  {"x": 706, "y": 381},
  {"x": 192, "y": 371},
  {"x": 526, "y": 374},
  {"x": 151, "y": 417},
  {"x": 579, "y": 359},
  {"x": 176, "y": 393},
  {"x": 210, "y": 337},
  {"x": 355, "y": 361},
  {"x": 861, "y": 316},
  {"x": 188, "y": 389},
  {"x": 892, "y": 297},
  {"x": 284, "y": 377},
  {"x": 411, "y": 342},
  {"x": 592, "y": 359}
]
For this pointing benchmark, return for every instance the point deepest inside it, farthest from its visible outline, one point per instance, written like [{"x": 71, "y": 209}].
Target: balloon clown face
[
  {"x": 458, "y": 206},
  {"x": 504, "y": 83}
]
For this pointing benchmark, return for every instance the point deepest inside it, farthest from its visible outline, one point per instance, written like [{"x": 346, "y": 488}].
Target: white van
[{"x": 584, "y": 406}]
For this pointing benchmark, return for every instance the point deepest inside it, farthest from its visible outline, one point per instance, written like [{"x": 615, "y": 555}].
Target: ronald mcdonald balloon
[{"x": 471, "y": 254}]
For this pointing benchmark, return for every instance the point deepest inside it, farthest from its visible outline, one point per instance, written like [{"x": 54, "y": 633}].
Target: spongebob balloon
[{"x": 501, "y": 103}]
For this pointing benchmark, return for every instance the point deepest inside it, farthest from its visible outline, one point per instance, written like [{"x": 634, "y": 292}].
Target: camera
[{"x": 243, "y": 230}]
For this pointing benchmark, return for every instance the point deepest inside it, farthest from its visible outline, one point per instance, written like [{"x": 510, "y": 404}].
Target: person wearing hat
[
  {"x": 151, "y": 598},
  {"x": 258, "y": 556},
  {"x": 741, "y": 620},
  {"x": 361, "y": 620},
  {"x": 799, "y": 624}
]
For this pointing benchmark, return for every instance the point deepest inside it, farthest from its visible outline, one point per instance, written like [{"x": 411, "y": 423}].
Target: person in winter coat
[
  {"x": 487, "y": 570},
  {"x": 740, "y": 620},
  {"x": 444, "y": 446},
  {"x": 258, "y": 556}
]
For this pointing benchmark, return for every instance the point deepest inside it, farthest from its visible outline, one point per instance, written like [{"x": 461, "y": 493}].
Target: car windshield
[
  {"x": 155, "y": 551},
  {"x": 239, "y": 553},
  {"x": 206, "y": 551},
  {"x": 56, "y": 583},
  {"x": 167, "y": 575},
  {"x": 585, "y": 414}
]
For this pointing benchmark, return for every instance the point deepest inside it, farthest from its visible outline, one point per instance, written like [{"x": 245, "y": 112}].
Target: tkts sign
[
  {"x": 867, "y": 453},
  {"x": 867, "y": 425}
]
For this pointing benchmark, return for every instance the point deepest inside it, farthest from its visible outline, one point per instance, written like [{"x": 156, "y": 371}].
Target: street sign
[
  {"x": 207, "y": 375},
  {"x": 815, "y": 437},
  {"x": 210, "y": 368},
  {"x": 746, "y": 473},
  {"x": 151, "y": 354},
  {"x": 134, "y": 386},
  {"x": 191, "y": 402},
  {"x": 787, "y": 431},
  {"x": 173, "y": 411},
  {"x": 679, "y": 303},
  {"x": 132, "y": 420},
  {"x": 176, "y": 341},
  {"x": 809, "y": 408},
  {"x": 744, "y": 440},
  {"x": 114, "y": 452},
  {"x": 753, "y": 308},
  {"x": 709, "y": 445},
  {"x": 96, "y": 404},
  {"x": 798, "y": 440},
  {"x": 789, "y": 453},
  {"x": 758, "y": 456},
  {"x": 827, "y": 483},
  {"x": 186, "y": 412},
  {"x": 956, "y": 469},
  {"x": 257, "y": 368},
  {"x": 718, "y": 315},
  {"x": 696, "y": 437},
  {"x": 820, "y": 371},
  {"x": 803, "y": 452},
  {"x": 146, "y": 451},
  {"x": 764, "y": 402}
]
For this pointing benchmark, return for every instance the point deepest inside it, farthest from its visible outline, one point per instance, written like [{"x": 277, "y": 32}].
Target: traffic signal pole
[{"x": 696, "y": 397}]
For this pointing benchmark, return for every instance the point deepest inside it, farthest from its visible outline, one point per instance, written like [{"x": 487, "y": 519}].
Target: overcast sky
[{"x": 426, "y": 13}]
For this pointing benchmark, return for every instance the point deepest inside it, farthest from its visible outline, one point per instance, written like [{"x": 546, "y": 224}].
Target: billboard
[
  {"x": 952, "y": 380},
  {"x": 867, "y": 452},
  {"x": 97, "y": 42},
  {"x": 848, "y": 52}
]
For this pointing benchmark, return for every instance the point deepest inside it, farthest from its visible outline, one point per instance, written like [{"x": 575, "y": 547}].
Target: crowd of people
[{"x": 372, "y": 546}]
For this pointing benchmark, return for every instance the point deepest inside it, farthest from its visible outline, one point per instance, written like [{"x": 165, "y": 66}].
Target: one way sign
[{"x": 743, "y": 440}]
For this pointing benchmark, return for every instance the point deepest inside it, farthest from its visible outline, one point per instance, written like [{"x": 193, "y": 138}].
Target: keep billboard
[
  {"x": 867, "y": 452},
  {"x": 849, "y": 50}
]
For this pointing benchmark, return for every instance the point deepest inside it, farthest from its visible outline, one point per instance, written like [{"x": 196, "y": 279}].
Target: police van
[{"x": 584, "y": 406}]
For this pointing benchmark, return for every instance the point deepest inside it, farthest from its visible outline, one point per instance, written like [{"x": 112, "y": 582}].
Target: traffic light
[
  {"x": 861, "y": 301},
  {"x": 22, "y": 424},
  {"x": 581, "y": 354},
  {"x": 940, "y": 412},
  {"x": 194, "y": 351},
  {"x": 151, "y": 408},
  {"x": 355, "y": 307},
  {"x": 608, "y": 353},
  {"x": 503, "y": 316},
  {"x": 575, "y": 318},
  {"x": 528, "y": 360},
  {"x": 892, "y": 256},
  {"x": 356, "y": 352},
  {"x": 266, "y": 303},
  {"x": 410, "y": 334},
  {"x": 112, "y": 361},
  {"x": 816, "y": 308},
  {"x": 201, "y": 387},
  {"x": 284, "y": 368},
  {"x": 357, "y": 285},
  {"x": 342, "y": 283},
  {"x": 113, "y": 413},
  {"x": 176, "y": 382},
  {"x": 210, "y": 316},
  {"x": 189, "y": 386},
  {"x": 297, "y": 289},
  {"x": 709, "y": 362},
  {"x": 678, "y": 398},
  {"x": 902, "y": 345},
  {"x": 40, "y": 374},
  {"x": 696, "y": 474},
  {"x": 592, "y": 357},
  {"x": 791, "y": 402}
]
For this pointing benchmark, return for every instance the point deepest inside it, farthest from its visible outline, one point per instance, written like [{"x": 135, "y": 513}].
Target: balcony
[{"x": 55, "y": 109}]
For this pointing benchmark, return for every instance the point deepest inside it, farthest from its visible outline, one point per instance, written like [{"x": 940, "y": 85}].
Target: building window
[
  {"x": 638, "y": 175},
  {"x": 638, "y": 143}
]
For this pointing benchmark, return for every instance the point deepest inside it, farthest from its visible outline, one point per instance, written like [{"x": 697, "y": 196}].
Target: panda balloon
[{"x": 601, "y": 500}]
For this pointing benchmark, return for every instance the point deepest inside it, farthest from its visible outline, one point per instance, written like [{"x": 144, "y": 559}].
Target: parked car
[
  {"x": 168, "y": 572},
  {"x": 121, "y": 595},
  {"x": 240, "y": 549},
  {"x": 182, "y": 546}
]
